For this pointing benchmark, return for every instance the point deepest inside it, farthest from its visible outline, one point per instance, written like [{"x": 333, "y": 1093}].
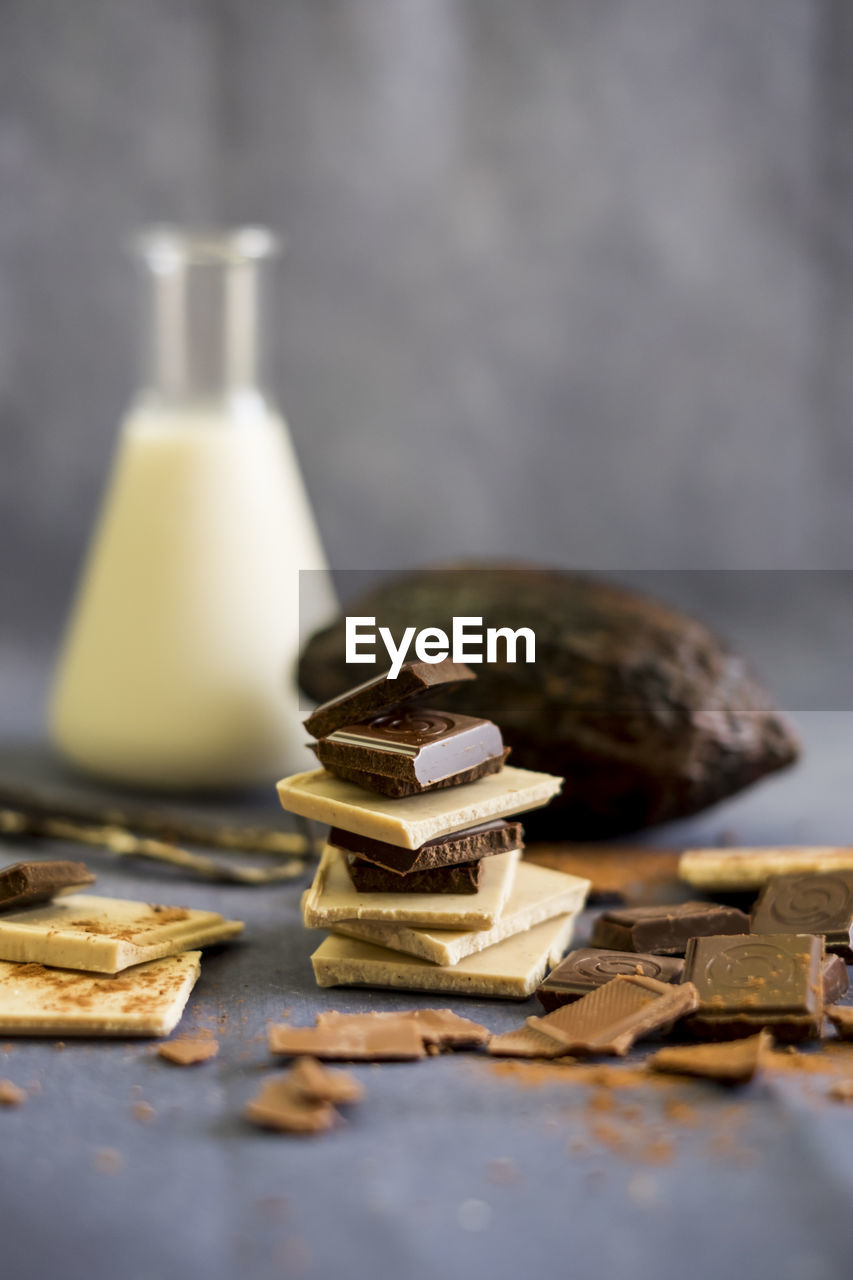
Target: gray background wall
[{"x": 568, "y": 279}]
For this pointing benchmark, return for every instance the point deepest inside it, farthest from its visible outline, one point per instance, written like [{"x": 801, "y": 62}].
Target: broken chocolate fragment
[
  {"x": 814, "y": 903},
  {"x": 841, "y": 1017},
  {"x": 611, "y": 1018},
  {"x": 25, "y": 883},
  {"x": 525, "y": 1042},
  {"x": 314, "y": 1081},
  {"x": 730, "y": 1062},
  {"x": 748, "y": 982},
  {"x": 836, "y": 980},
  {"x": 586, "y": 968},
  {"x": 440, "y": 1027},
  {"x": 380, "y": 695},
  {"x": 281, "y": 1104},
  {"x": 665, "y": 930},
  {"x": 189, "y": 1050},
  {"x": 462, "y": 877},
  {"x": 396, "y": 1041},
  {"x": 473, "y": 843}
]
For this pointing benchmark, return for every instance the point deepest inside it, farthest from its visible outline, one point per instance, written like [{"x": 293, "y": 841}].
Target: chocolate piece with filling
[
  {"x": 586, "y": 968},
  {"x": 730, "y": 1062},
  {"x": 748, "y": 982},
  {"x": 477, "y": 842},
  {"x": 812, "y": 903},
  {"x": 463, "y": 877},
  {"x": 836, "y": 980},
  {"x": 611, "y": 1018},
  {"x": 410, "y": 751},
  {"x": 665, "y": 930},
  {"x": 25, "y": 883},
  {"x": 382, "y": 694}
]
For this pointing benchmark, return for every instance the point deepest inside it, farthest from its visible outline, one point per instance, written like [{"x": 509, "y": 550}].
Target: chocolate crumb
[
  {"x": 107, "y": 1160},
  {"x": 10, "y": 1094},
  {"x": 144, "y": 1112}
]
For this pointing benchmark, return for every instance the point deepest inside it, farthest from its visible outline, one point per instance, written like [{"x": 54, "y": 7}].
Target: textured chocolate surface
[
  {"x": 813, "y": 903},
  {"x": 462, "y": 877},
  {"x": 836, "y": 980},
  {"x": 589, "y": 967},
  {"x": 415, "y": 746},
  {"x": 25, "y": 883},
  {"x": 374, "y": 697},
  {"x": 486, "y": 838},
  {"x": 747, "y": 982},
  {"x": 732, "y": 1062},
  {"x": 397, "y": 788},
  {"x": 612, "y": 1018},
  {"x": 665, "y": 930}
]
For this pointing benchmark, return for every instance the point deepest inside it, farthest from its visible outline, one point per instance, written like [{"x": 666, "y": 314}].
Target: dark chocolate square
[
  {"x": 819, "y": 902},
  {"x": 745, "y": 982}
]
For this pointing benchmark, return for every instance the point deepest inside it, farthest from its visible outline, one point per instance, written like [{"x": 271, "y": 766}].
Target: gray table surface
[{"x": 448, "y": 1168}]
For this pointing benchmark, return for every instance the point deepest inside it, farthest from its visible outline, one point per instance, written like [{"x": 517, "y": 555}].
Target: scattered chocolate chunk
[
  {"x": 821, "y": 902},
  {"x": 11, "y": 1095},
  {"x": 525, "y": 1042},
  {"x": 841, "y": 1017},
  {"x": 665, "y": 930},
  {"x": 836, "y": 979},
  {"x": 842, "y": 1091},
  {"x": 730, "y": 1062},
  {"x": 439, "y": 1028},
  {"x": 393, "y": 1041},
  {"x": 749, "y": 982},
  {"x": 462, "y": 877},
  {"x": 475, "y": 842},
  {"x": 382, "y": 694},
  {"x": 187, "y": 1051},
  {"x": 25, "y": 883},
  {"x": 280, "y": 1104},
  {"x": 322, "y": 1085},
  {"x": 611, "y": 1018},
  {"x": 586, "y": 968}
]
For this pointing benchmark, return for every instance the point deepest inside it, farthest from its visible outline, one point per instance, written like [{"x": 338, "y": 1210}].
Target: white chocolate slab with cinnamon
[
  {"x": 539, "y": 894},
  {"x": 412, "y": 820},
  {"x": 333, "y": 897},
  {"x": 147, "y": 1000},
  {"x": 105, "y": 935}
]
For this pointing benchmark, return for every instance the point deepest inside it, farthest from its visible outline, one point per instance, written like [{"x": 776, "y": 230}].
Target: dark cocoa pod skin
[{"x": 646, "y": 713}]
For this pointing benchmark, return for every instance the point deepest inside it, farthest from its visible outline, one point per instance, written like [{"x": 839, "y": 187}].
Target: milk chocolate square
[
  {"x": 665, "y": 930},
  {"x": 406, "y": 752},
  {"x": 589, "y": 967},
  {"x": 382, "y": 694},
  {"x": 820, "y": 902},
  {"x": 747, "y": 982},
  {"x": 23, "y": 884}
]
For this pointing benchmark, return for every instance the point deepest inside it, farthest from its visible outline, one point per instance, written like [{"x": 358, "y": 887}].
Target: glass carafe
[{"x": 177, "y": 669}]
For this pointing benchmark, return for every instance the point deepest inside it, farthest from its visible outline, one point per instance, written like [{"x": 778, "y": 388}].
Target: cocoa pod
[{"x": 645, "y": 712}]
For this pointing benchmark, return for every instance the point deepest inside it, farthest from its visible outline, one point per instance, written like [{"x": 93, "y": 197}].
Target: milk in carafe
[{"x": 177, "y": 667}]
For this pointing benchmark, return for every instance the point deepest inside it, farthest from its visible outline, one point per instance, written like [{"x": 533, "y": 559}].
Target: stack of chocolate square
[{"x": 421, "y": 881}]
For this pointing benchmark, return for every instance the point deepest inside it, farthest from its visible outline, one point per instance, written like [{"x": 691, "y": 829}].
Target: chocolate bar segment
[
  {"x": 462, "y": 877},
  {"x": 611, "y": 1018},
  {"x": 410, "y": 751},
  {"x": 836, "y": 980},
  {"x": 589, "y": 967},
  {"x": 665, "y": 930},
  {"x": 473, "y": 843},
  {"x": 814, "y": 903},
  {"x": 748, "y": 982},
  {"x": 382, "y": 694},
  {"x": 25, "y": 883}
]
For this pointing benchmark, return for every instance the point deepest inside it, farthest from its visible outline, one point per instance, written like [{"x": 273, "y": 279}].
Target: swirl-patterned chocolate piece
[
  {"x": 747, "y": 983},
  {"x": 817, "y": 903},
  {"x": 587, "y": 968},
  {"x": 415, "y": 723}
]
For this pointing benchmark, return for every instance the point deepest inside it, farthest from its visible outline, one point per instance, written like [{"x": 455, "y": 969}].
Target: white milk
[{"x": 177, "y": 669}]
